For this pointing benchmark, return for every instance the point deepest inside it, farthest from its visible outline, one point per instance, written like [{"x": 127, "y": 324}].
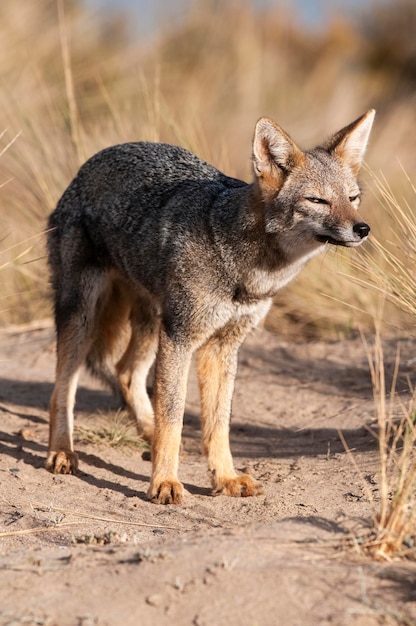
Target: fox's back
[
  {"x": 139, "y": 177},
  {"x": 135, "y": 202},
  {"x": 124, "y": 174}
]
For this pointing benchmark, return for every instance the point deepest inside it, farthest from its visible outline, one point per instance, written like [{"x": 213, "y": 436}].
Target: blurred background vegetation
[{"x": 76, "y": 78}]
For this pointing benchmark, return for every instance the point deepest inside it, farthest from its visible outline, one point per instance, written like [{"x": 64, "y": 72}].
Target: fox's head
[{"x": 311, "y": 197}]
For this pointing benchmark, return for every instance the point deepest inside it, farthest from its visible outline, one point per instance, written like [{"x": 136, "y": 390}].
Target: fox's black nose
[{"x": 361, "y": 229}]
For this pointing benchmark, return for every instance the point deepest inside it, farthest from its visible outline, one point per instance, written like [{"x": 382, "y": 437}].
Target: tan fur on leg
[
  {"x": 165, "y": 488},
  {"x": 61, "y": 456},
  {"x": 171, "y": 375},
  {"x": 133, "y": 369},
  {"x": 217, "y": 365}
]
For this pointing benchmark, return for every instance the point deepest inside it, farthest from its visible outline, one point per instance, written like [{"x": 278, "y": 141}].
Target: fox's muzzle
[{"x": 350, "y": 236}]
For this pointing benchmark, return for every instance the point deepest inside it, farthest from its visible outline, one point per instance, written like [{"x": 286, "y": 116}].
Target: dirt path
[{"x": 102, "y": 555}]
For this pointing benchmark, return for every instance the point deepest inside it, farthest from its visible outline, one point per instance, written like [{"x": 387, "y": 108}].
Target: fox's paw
[
  {"x": 62, "y": 462},
  {"x": 145, "y": 429},
  {"x": 239, "y": 486},
  {"x": 166, "y": 492},
  {"x": 146, "y": 433}
]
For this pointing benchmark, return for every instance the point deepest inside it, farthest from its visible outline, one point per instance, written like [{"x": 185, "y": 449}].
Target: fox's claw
[{"x": 62, "y": 462}]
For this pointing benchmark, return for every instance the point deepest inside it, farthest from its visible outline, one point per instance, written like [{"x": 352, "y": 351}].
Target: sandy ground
[{"x": 103, "y": 555}]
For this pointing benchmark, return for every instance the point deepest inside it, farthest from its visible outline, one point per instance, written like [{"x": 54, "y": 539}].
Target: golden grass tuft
[
  {"x": 394, "y": 532},
  {"x": 386, "y": 270},
  {"x": 118, "y": 431}
]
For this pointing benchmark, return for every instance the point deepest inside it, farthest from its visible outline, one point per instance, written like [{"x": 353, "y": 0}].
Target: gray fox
[{"x": 155, "y": 254}]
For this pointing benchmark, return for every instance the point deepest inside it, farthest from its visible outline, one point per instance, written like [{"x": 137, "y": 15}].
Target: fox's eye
[
  {"x": 354, "y": 198},
  {"x": 317, "y": 200}
]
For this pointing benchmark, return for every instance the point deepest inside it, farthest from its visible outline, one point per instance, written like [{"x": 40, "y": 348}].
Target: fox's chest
[
  {"x": 251, "y": 298},
  {"x": 220, "y": 314},
  {"x": 265, "y": 284}
]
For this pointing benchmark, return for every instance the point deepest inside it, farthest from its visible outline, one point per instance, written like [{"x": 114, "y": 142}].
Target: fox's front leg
[
  {"x": 217, "y": 367},
  {"x": 172, "y": 366}
]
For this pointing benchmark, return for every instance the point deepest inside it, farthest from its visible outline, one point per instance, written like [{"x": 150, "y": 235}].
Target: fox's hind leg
[
  {"x": 75, "y": 311},
  {"x": 136, "y": 362},
  {"x": 217, "y": 367}
]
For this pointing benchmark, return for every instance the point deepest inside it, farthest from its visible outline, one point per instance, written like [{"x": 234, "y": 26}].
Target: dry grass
[
  {"x": 387, "y": 270},
  {"x": 394, "y": 533},
  {"x": 59, "y": 518},
  {"x": 118, "y": 431},
  {"x": 202, "y": 83}
]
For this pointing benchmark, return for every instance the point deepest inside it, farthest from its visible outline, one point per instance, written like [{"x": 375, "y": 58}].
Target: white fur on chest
[
  {"x": 219, "y": 314},
  {"x": 266, "y": 283}
]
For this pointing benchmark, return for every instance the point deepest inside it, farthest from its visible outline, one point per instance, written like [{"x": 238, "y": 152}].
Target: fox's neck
[{"x": 268, "y": 261}]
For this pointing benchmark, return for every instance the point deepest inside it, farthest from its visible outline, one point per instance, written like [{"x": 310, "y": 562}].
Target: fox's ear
[
  {"x": 349, "y": 143},
  {"x": 274, "y": 152}
]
